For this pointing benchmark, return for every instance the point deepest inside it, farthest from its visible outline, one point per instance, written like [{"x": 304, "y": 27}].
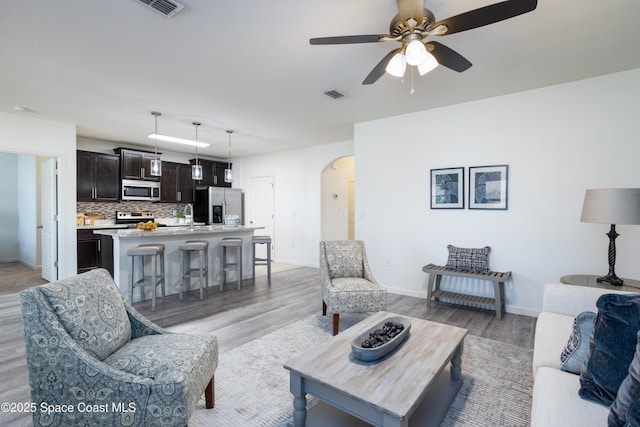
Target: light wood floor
[{"x": 237, "y": 317}]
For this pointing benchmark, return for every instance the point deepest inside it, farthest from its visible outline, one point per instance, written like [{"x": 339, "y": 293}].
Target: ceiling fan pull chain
[{"x": 412, "y": 90}]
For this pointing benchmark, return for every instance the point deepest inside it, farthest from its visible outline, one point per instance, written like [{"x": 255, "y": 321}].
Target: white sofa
[{"x": 555, "y": 393}]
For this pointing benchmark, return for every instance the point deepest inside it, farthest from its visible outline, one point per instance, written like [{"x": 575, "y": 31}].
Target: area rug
[{"x": 252, "y": 387}]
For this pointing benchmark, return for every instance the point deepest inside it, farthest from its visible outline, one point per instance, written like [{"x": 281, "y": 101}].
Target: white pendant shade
[
  {"x": 428, "y": 64},
  {"x": 415, "y": 52},
  {"x": 228, "y": 176},
  {"x": 196, "y": 172},
  {"x": 156, "y": 167},
  {"x": 397, "y": 65}
]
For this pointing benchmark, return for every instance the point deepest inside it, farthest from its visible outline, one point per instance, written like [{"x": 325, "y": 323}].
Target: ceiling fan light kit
[
  {"x": 414, "y": 24},
  {"x": 428, "y": 64},
  {"x": 397, "y": 65},
  {"x": 415, "y": 52}
]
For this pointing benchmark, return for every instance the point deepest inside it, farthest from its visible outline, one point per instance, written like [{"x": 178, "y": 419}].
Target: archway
[{"x": 337, "y": 204}]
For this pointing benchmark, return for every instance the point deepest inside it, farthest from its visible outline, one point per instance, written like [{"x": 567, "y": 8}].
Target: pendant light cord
[
  {"x": 156, "y": 114},
  {"x": 196, "y": 124},
  {"x": 229, "y": 150}
]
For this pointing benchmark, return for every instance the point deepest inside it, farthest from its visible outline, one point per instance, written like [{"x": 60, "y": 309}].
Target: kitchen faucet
[{"x": 189, "y": 208}]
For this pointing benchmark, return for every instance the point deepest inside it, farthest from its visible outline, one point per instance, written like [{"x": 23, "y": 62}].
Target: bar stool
[
  {"x": 259, "y": 240},
  {"x": 186, "y": 249},
  {"x": 154, "y": 279},
  {"x": 225, "y": 265}
]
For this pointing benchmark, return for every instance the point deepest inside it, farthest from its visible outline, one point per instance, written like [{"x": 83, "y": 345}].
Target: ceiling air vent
[
  {"x": 333, "y": 93},
  {"x": 166, "y": 7}
]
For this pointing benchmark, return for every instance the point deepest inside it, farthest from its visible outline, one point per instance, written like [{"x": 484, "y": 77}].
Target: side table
[{"x": 591, "y": 282}]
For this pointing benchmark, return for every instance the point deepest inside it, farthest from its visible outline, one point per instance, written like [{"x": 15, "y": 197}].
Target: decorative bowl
[{"x": 370, "y": 354}]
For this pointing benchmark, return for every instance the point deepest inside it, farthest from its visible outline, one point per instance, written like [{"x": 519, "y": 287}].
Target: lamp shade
[
  {"x": 416, "y": 52},
  {"x": 397, "y": 65},
  {"x": 428, "y": 64},
  {"x": 612, "y": 206}
]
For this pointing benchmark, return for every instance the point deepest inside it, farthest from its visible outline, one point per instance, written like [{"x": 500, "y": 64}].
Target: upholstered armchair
[
  {"x": 346, "y": 281},
  {"x": 93, "y": 360}
]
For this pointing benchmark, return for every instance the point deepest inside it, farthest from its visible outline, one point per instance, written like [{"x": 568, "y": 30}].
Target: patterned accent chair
[
  {"x": 346, "y": 281},
  {"x": 93, "y": 360}
]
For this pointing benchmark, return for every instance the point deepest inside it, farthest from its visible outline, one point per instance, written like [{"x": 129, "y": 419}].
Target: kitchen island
[{"x": 172, "y": 238}]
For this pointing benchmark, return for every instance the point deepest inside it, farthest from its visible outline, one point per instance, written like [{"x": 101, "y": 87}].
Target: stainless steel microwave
[{"x": 140, "y": 190}]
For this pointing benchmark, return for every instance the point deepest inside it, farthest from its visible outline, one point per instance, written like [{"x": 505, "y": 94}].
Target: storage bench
[{"x": 437, "y": 271}]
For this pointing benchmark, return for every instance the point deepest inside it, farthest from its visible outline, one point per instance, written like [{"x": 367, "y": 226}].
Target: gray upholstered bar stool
[
  {"x": 225, "y": 265},
  {"x": 262, "y": 240},
  {"x": 202, "y": 249},
  {"x": 155, "y": 251}
]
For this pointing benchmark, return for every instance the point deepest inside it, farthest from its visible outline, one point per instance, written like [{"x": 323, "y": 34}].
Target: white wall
[
  {"x": 558, "y": 141},
  {"x": 297, "y": 195},
  {"x": 9, "y": 243},
  {"x": 29, "y": 135}
]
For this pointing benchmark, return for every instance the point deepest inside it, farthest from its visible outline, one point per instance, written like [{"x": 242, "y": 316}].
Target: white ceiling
[{"x": 247, "y": 65}]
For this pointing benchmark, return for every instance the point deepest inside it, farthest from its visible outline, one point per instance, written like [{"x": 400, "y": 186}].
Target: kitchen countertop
[
  {"x": 134, "y": 233},
  {"x": 101, "y": 224}
]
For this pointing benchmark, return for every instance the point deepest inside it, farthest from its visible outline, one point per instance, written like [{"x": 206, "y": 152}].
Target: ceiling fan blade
[
  {"x": 449, "y": 58},
  {"x": 369, "y": 38},
  {"x": 486, "y": 15},
  {"x": 379, "y": 69},
  {"x": 410, "y": 9}
]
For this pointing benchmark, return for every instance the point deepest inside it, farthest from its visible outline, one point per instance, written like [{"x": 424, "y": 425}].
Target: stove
[{"x": 132, "y": 218}]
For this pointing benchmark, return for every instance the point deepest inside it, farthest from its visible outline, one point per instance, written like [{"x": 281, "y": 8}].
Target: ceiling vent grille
[
  {"x": 167, "y": 8},
  {"x": 333, "y": 93}
]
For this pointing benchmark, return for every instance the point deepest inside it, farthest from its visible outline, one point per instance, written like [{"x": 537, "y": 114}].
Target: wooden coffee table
[{"x": 407, "y": 387}]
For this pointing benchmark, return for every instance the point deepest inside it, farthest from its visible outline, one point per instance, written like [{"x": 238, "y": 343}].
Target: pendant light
[
  {"x": 196, "y": 169},
  {"x": 156, "y": 164},
  {"x": 228, "y": 175}
]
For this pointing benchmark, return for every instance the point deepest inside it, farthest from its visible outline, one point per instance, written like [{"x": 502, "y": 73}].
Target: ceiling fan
[{"x": 414, "y": 24}]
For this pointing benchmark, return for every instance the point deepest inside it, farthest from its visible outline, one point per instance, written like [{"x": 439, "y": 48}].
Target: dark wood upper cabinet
[
  {"x": 212, "y": 172},
  {"x": 176, "y": 184},
  {"x": 136, "y": 164},
  {"x": 97, "y": 177}
]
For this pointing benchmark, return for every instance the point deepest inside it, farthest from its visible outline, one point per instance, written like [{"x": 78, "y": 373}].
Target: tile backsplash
[{"x": 108, "y": 209}]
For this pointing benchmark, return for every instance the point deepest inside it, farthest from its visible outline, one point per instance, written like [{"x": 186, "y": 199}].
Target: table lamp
[{"x": 612, "y": 206}]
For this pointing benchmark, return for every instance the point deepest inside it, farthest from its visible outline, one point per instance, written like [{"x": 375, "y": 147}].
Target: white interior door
[
  {"x": 49, "y": 215},
  {"x": 262, "y": 211}
]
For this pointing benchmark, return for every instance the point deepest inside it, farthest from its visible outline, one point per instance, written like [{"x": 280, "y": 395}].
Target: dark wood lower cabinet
[{"x": 94, "y": 251}]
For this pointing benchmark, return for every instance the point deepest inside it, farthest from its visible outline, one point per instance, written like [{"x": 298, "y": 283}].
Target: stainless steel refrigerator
[{"x": 212, "y": 204}]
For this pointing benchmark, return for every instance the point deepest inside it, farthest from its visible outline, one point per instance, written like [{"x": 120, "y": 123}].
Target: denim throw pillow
[
  {"x": 611, "y": 348},
  {"x": 575, "y": 352},
  {"x": 468, "y": 259},
  {"x": 625, "y": 410}
]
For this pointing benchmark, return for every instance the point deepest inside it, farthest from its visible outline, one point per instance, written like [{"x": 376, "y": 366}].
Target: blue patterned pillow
[
  {"x": 612, "y": 347},
  {"x": 468, "y": 259},
  {"x": 575, "y": 352},
  {"x": 625, "y": 410},
  {"x": 89, "y": 307}
]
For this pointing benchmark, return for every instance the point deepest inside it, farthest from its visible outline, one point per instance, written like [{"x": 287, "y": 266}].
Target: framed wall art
[
  {"x": 488, "y": 187},
  {"x": 447, "y": 188}
]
